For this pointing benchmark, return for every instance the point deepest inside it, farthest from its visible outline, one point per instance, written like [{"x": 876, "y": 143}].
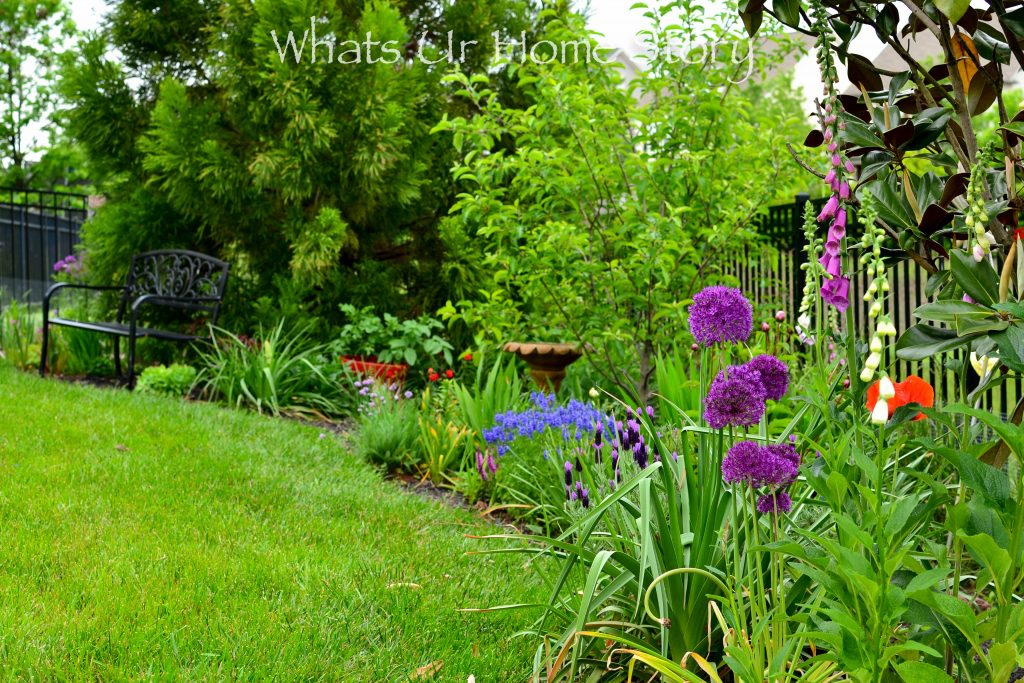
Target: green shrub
[
  {"x": 388, "y": 430},
  {"x": 176, "y": 380}
]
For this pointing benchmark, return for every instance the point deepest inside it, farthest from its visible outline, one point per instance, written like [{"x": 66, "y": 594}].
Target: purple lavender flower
[
  {"x": 736, "y": 398},
  {"x": 777, "y": 502},
  {"x": 758, "y": 466},
  {"x": 721, "y": 314},
  {"x": 568, "y": 473},
  {"x": 774, "y": 375},
  {"x": 585, "y": 497},
  {"x": 492, "y": 465}
]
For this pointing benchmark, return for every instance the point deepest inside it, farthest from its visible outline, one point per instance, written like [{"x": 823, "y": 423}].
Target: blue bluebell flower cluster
[{"x": 573, "y": 420}]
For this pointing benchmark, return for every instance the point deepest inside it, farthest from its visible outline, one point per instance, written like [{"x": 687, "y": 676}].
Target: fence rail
[
  {"x": 771, "y": 273},
  {"x": 37, "y": 229}
]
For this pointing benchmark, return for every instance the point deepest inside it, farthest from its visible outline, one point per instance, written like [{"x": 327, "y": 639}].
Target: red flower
[
  {"x": 1018, "y": 234},
  {"x": 449, "y": 374},
  {"x": 433, "y": 376},
  {"x": 468, "y": 357},
  {"x": 911, "y": 390}
]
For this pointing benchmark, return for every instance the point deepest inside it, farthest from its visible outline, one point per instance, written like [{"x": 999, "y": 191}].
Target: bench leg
[
  {"x": 131, "y": 361},
  {"x": 117, "y": 356},
  {"x": 46, "y": 348}
]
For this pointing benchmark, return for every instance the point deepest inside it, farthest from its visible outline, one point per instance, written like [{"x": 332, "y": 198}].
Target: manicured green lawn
[{"x": 143, "y": 537}]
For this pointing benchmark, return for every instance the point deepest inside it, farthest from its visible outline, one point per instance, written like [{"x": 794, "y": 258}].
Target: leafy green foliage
[
  {"x": 389, "y": 339},
  {"x": 598, "y": 206},
  {"x": 175, "y": 380},
  {"x": 18, "y": 343},
  {"x": 34, "y": 32}
]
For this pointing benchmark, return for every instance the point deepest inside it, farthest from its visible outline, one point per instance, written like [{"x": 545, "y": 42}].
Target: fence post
[{"x": 796, "y": 245}]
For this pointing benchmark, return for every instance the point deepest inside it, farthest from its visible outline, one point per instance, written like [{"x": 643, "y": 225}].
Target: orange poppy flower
[{"x": 911, "y": 390}]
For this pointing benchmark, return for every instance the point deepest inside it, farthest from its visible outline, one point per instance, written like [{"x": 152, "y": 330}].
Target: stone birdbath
[{"x": 547, "y": 361}]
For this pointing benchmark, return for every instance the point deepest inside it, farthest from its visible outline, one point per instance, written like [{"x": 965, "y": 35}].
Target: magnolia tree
[
  {"x": 914, "y": 148},
  {"x": 594, "y": 211}
]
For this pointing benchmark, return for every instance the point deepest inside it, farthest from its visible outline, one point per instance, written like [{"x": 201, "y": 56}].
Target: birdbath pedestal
[{"x": 547, "y": 361}]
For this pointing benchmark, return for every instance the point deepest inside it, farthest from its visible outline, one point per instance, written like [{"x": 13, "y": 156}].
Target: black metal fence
[
  {"x": 771, "y": 274},
  {"x": 37, "y": 229}
]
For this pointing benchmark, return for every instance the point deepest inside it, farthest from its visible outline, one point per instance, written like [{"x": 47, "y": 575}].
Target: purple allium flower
[
  {"x": 758, "y": 466},
  {"x": 736, "y": 398},
  {"x": 721, "y": 314},
  {"x": 777, "y": 502},
  {"x": 774, "y": 375}
]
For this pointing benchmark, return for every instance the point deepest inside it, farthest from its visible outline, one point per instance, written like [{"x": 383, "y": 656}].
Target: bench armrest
[{"x": 57, "y": 287}]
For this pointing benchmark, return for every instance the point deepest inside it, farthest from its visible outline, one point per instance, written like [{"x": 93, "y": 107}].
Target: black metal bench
[{"x": 174, "y": 278}]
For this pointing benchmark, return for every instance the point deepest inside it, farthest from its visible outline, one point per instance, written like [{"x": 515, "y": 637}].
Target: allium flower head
[
  {"x": 736, "y": 398},
  {"x": 721, "y": 314},
  {"x": 777, "y": 502},
  {"x": 758, "y": 466},
  {"x": 774, "y": 375}
]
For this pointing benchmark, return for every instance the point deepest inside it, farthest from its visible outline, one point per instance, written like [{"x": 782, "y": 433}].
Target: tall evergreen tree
[{"x": 273, "y": 133}]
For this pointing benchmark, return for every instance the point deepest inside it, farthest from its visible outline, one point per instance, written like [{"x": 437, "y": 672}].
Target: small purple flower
[
  {"x": 492, "y": 465},
  {"x": 736, "y": 397},
  {"x": 774, "y": 375},
  {"x": 568, "y": 473},
  {"x": 721, "y": 314},
  {"x": 777, "y": 502},
  {"x": 407, "y": 394},
  {"x": 481, "y": 466},
  {"x": 585, "y": 497}
]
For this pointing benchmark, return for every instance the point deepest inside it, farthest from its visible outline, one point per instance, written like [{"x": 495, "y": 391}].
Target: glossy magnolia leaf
[
  {"x": 788, "y": 11},
  {"x": 1015, "y": 21},
  {"x": 928, "y": 127},
  {"x": 874, "y": 162},
  {"x": 982, "y": 94},
  {"x": 752, "y": 12},
  {"x": 955, "y": 186},
  {"x": 891, "y": 204},
  {"x": 924, "y": 341},
  {"x": 814, "y": 138},
  {"x": 860, "y": 134},
  {"x": 863, "y": 73},
  {"x": 991, "y": 48},
  {"x": 886, "y": 21},
  {"x": 974, "y": 324},
  {"x": 978, "y": 279},
  {"x": 1011, "y": 347},
  {"x": 953, "y": 9},
  {"x": 935, "y": 218},
  {"x": 897, "y": 82},
  {"x": 966, "y": 57},
  {"x": 947, "y": 311},
  {"x": 899, "y": 135}
]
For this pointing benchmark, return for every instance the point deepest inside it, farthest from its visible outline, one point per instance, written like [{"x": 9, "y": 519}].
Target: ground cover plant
[{"x": 149, "y": 537}]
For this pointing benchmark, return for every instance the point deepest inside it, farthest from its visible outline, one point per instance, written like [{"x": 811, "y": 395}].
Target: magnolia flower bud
[
  {"x": 984, "y": 365},
  {"x": 880, "y": 414},
  {"x": 886, "y": 389}
]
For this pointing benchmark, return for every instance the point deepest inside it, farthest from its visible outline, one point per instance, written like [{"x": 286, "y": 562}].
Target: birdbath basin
[{"x": 547, "y": 361}]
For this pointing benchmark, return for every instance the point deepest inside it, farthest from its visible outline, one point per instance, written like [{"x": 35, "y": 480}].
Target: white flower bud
[
  {"x": 876, "y": 344},
  {"x": 886, "y": 390},
  {"x": 873, "y": 361},
  {"x": 880, "y": 414},
  {"x": 867, "y": 374}
]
